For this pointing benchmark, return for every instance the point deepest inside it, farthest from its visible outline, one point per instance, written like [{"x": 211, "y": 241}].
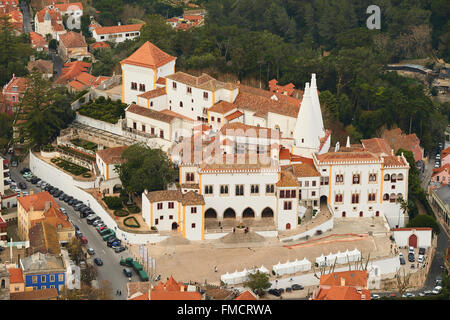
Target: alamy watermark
[{"x": 374, "y": 20}]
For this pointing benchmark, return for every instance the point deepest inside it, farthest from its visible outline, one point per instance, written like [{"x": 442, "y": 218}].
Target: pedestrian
[
  {"x": 117, "y": 292},
  {"x": 120, "y": 292},
  {"x": 234, "y": 230},
  {"x": 215, "y": 268}
]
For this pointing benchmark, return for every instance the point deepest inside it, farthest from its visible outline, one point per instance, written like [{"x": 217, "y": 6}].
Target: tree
[
  {"x": 89, "y": 273},
  {"x": 402, "y": 282},
  {"x": 75, "y": 250},
  {"x": 45, "y": 110},
  {"x": 258, "y": 282},
  {"x": 424, "y": 221},
  {"x": 145, "y": 169}
]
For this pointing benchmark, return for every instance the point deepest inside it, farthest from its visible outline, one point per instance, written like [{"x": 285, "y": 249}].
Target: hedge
[
  {"x": 69, "y": 166},
  {"x": 134, "y": 224},
  {"x": 121, "y": 213},
  {"x": 134, "y": 209},
  {"x": 113, "y": 203}
]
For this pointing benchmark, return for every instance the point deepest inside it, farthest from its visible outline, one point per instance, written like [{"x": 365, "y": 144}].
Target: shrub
[
  {"x": 299, "y": 220},
  {"x": 131, "y": 222},
  {"x": 121, "y": 213},
  {"x": 154, "y": 228},
  {"x": 134, "y": 209},
  {"x": 86, "y": 175},
  {"x": 113, "y": 203}
]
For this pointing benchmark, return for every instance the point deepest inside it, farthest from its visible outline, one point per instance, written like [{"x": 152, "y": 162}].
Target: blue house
[{"x": 43, "y": 271}]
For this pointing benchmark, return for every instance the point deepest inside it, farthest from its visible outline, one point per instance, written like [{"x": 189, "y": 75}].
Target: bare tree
[{"x": 402, "y": 282}]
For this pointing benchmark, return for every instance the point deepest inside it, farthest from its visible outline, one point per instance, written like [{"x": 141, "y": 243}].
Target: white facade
[
  {"x": 404, "y": 237},
  {"x": 115, "y": 36}
]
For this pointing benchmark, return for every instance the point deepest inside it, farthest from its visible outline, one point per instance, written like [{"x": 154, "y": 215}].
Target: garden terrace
[
  {"x": 76, "y": 153},
  {"x": 103, "y": 137},
  {"x": 104, "y": 110},
  {"x": 72, "y": 168},
  {"x": 88, "y": 145}
]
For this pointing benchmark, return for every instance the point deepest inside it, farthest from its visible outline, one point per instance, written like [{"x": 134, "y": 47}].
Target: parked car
[
  {"x": 411, "y": 250},
  {"x": 375, "y": 297},
  {"x": 78, "y": 234},
  {"x": 98, "y": 261},
  {"x": 101, "y": 228},
  {"x": 297, "y": 287},
  {"x": 420, "y": 258},
  {"x": 97, "y": 222},
  {"x": 62, "y": 196},
  {"x": 421, "y": 250},
  {"x": 119, "y": 249},
  {"x": 22, "y": 185},
  {"x": 25, "y": 193},
  {"x": 438, "y": 281},
  {"x": 427, "y": 292},
  {"x": 48, "y": 187},
  {"x": 392, "y": 295},
  {"x": 63, "y": 211},
  {"x": 402, "y": 260},
  {"x": 108, "y": 237},
  {"x": 58, "y": 193},
  {"x": 67, "y": 198},
  {"x": 127, "y": 272},
  {"x": 114, "y": 242},
  {"x": 84, "y": 240},
  {"x": 70, "y": 202},
  {"x": 275, "y": 292},
  {"x": 411, "y": 257},
  {"x": 91, "y": 251},
  {"x": 39, "y": 183},
  {"x": 437, "y": 290},
  {"x": 76, "y": 227}
]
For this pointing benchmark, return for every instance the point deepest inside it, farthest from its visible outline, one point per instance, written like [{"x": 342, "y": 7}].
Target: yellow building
[{"x": 16, "y": 281}]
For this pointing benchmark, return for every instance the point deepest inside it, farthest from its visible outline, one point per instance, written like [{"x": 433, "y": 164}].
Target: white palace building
[{"x": 247, "y": 153}]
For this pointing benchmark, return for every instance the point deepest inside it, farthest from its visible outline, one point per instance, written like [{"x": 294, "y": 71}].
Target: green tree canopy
[
  {"x": 258, "y": 282},
  {"x": 424, "y": 221},
  {"x": 145, "y": 169}
]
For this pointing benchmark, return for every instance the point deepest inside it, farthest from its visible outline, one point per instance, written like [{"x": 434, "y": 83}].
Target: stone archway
[
  {"x": 210, "y": 214},
  {"x": 267, "y": 213},
  {"x": 248, "y": 213},
  {"x": 412, "y": 241},
  {"x": 229, "y": 213}
]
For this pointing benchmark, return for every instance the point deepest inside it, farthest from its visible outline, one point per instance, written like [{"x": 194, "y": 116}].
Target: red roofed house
[
  {"x": 347, "y": 285},
  {"x": 15, "y": 17},
  {"x": 118, "y": 33},
  {"x": 38, "y": 42},
  {"x": 441, "y": 175},
  {"x": 396, "y": 139},
  {"x": 172, "y": 290},
  {"x": 71, "y": 70},
  {"x": 98, "y": 46},
  {"x": 13, "y": 92},
  {"x": 16, "y": 280},
  {"x": 287, "y": 90},
  {"x": 141, "y": 70},
  {"x": 85, "y": 80},
  {"x": 49, "y": 21},
  {"x": 72, "y": 45},
  {"x": 106, "y": 160},
  {"x": 247, "y": 295}
]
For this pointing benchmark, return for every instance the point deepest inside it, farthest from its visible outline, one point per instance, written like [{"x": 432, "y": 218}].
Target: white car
[
  {"x": 63, "y": 211},
  {"x": 420, "y": 258},
  {"x": 400, "y": 254},
  {"x": 411, "y": 250},
  {"x": 437, "y": 290},
  {"x": 25, "y": 193},
  {"x": 375, "y": 297}
]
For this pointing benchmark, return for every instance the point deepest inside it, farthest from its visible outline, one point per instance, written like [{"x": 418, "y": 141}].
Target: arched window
[
  {"x": 343, "y": 214},
  {"x": 393, "y": 177},
  {"x": 377, "y": 214},
  {"x": 181, "y": 103},
  {"x": 361, "y": 214},
  {"x": 3, "y": 284},
  {"x": 400, "y": 177},
  {"x": 385, "y": 197},
  {"x": 399, "y": 195},
  {"x": 392, "y": 197},
  {"x": 387, "y": 177}
]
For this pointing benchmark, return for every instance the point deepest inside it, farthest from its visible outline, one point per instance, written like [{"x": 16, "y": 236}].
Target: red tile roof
[
  {"x": 37, "y": 200},
  {"x": 15, "y": 275},
  {"x": 71, "y": 70},
  {"x": 42, "y": 294},
  {"x": 158, "y": 92},
  {"x": 222, "y": 107},
  {"x": 37, "y": 40},
  {"x": 445, "y": 167},
  {"x": 118, "y": 29},
  {"x": 301, "y": 170},
  {"x": 193, "y": 17},
  {"x": 343, "y": 293},
  {"x": 356, "y": 278},
  {"x": 240, "y": 129},
  {"x": 19, "y": 82},
  {"x": 149, "y": 113},
  {"x": 72, "y": 40},
  {"x": 98, "y": 45},
  {"x": 234, "y": 115},
  {"x": 445, "y": 152},
  {"x": 176, "y": 115},
  {"x": 44, "y": 66},
  {"x": 161, "y": 80},
  {"x": 287, "y": 179},
  {"x": 377, "y": 145},
  {"x": 112, "y": 155},
  {"x": 148, "y": 55},
  {"x": 284, "y": 154},
  {"x": 394, "y": 161},
  {"x": 55, "y": 15},
  {"x": 246, "y": 295},
  {"x": 354, "y": 156},
  {"x": 174, "y": 295},
  {"x": 397, "y": 140},
  {"x": 66, "y": 6},
  {"x": 143, "y": 296}
]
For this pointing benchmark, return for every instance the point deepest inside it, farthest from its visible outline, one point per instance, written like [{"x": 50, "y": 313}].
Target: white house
[
  {"x": 118, "y": 33},
  {"x": 413, "y": 237},
  {"x": 73, "y": 11},
  {"x": 141, "y": 70},
  {"x": 106, "y": 160},
  {"x": 49, "y": 21}
]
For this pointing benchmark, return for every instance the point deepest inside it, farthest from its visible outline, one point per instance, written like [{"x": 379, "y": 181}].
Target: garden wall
[
  {"x": 74, "y": 188},
  {"x": 102, "y": 125},
  {"x": 327, "y": 225}
]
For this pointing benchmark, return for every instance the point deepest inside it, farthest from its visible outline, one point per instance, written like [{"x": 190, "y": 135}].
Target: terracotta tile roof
[
  {"x": 98, "y": 45},
  {"x": 149, "y": 113},
  {"x": 15, "y": 275},
  {"x": 205, "y": 81},
  {"x": 57, "y": 26},
  {"x": 445, "y": 152},
  {"x": 153, "y": 93},
  {"x": 44, "y": 238},
  {"x": 342, "y": 293},
  {"x": 174, "y": 295},
  {"x": 347, "y": 157},
  {"x": 260, "y": 101},
  {"x": 44, "y": 66},
  {"x": 222, "y": 107},
  {"x": 42, "y": 294},
  {"x": 238, "y": 163},
  {"x": 246, "y": 295},
  {"x": 193, "y": 17},
  {"x": 72, "y": 40},
  {"x": 37, "y": 40},
  {"x": 37, "y": 200},
  {"x": 77, "y": 85},
  {"x": 413, "y": 228},
  {"x": 55, "y": 217},
  {"x": 143, "y": 296},
  {"x": 202, "y": 127},
  {"x": 227, "y": 142},
  {"x": 183, "y": 26},
  {"x": 55, "y": 15},
  {"x": 71, "y": 70},
  {"x": 72, "y": 6},
  {"x": 376, "y": 145},
  {"x": 19, "y": 82},
  {"x": 161, "y": 80},
  {"x": 397, "y": 140},
  {"x": 119, "y": 29},
  {"x": 176, "y": 115},
  {"x": 112, "y": 155},
  {"x": 148, "y": 55},
  {"x": 284, "y": 154},
  {"x": 297, "y": 158},
  {"x": 192, "y": 198},
  {"x": 301, "y": 170},
  {"x": 394, "y": 161},
  {"x": 287, "y": 179},
  {"x": 189, "y": 185},
  {"x": 164, "y": 195},
  {"x": 240, "y": 129},
  {"x": 356, "y": 278},
  {"x": 173, "y": 19},
  {"x": 234, "y": 115},
  {"x": 445, "y": 167},
  {"x": 89, "y": 80}
]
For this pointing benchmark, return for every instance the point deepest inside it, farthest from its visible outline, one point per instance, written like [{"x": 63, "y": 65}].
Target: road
[
  {"x": 26, "y": 17},
  {"x": 111, "y": 269},
  {"x": 57, "y": 63}
]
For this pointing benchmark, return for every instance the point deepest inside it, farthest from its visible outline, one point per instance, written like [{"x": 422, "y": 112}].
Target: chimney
[
  {"x": 118, "y": 23},
  {"x": 48, "y": 205},
  {"x": 31, "y": 192},
  {"x": 342, "y": 281}
]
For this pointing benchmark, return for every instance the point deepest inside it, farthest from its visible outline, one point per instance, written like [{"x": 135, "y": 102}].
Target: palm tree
[{"x": 403, "y": 206}]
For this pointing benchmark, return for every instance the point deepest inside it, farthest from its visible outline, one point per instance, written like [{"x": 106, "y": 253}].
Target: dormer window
[{"x": 15, "y": 88}]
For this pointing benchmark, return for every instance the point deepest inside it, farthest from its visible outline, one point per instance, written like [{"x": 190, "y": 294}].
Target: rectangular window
[
  {"x": 270, "y": 188},
  {"x": 160, "y": 206},
  {"x": 224, "y": 189},
  {"x": 306, "y": 183},
  {"x": 193, "y": 209},
  {"x": 287, "y": 205},
  {"x": 170, "y": 217},
  {"x": 300, "y": 183},
  {"x": 356, "y": 179},
  {"x": 254, "y": 189},
  {"x": 193, "y": 226},
  {"x": 34, "y": 279},
  {"x": 141, "y": 87},
  {"x": 208, "y": 189},
  {"x": 314, "y": 183},
  {"x": 281, "y": 193},
  {"x": 134, "y": 125},
  {"x": 51, "y": 286},
  {"x": 288, "y": 194},
  {"x": 174, "y": 85},
  {"x": 205, "y": 95},
  {"x": 212, "y": 119},
  {"x": 43, "y": 279},
  {"x": 339, "y": 178},
  {"x": 156, "y": 221},
  {"x": 189, "y": 90},
  {"x": 299, "y": 194},
  {"x": 152, "y": 130},
  {"x": 143, "y": 128},
  {"x": 372, "y": 177},
  {"x": 52, "y": 278},
  {"x": 239, "y": 189},
  {"x": 161, "y": 217},
  {"x": 133, "y": 86},
  {"x": 219, "y": 120},
  {"x": 161, "y": 133},
  {"x": 190, "y": 176},
  {"x": 355, "y": 198},
  {"x": 171, "y": 205},
  {"x": 313, "y": 193}
]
